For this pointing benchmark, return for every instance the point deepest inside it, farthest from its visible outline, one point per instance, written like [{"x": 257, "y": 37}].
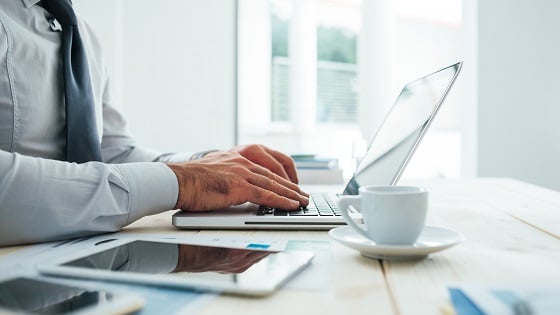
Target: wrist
[
  {"x": 200, "y": 155},
  {"x": 176, "y": 169}
]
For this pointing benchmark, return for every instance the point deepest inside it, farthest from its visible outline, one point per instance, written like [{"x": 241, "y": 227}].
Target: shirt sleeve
[{"x": 45, "y": 200}]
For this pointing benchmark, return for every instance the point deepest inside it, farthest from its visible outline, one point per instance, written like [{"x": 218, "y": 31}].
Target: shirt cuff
[
  {"x": 141, "y": 154},
  {"x": 153, "y": 188},
  {"x": 174, "y": 157}
]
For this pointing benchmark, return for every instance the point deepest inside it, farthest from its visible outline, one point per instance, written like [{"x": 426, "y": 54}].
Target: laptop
[{"x": 385, "y": 160}]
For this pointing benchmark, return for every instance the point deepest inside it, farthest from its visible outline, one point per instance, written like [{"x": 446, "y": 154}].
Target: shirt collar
[{"x": 29, "y": 3}]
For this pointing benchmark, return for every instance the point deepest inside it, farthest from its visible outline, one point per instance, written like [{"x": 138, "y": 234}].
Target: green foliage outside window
[
  {"x": 336, "y": 54},
  {"x": 333, "y": 44},
  {"x": 279, "y": 37},
  {"x": 336, "y": 45}
]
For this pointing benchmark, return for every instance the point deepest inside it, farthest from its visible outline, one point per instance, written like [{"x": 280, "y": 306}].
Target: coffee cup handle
[{"x": 343, "y": 203}]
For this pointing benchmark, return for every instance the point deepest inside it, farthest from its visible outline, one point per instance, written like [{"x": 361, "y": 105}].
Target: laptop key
[
  {"x": 265, "y": 210},
  {"x": 303, "y": 214},
  {"x": 280, "y": 212}
]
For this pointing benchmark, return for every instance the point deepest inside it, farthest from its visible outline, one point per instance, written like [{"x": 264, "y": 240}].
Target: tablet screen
[
  {"x": 199, "y": 267},
  {"x": 36, "y": 296},
  {"x": 159, "y": 257}
]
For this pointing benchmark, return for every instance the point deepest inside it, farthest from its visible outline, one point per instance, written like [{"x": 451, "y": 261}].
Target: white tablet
[
  {"x": 177, "y": 264},
  {"x": 25, "y": 295}
]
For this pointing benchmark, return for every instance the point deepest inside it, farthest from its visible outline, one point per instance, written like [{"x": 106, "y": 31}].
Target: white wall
[
  {"x": 516, "y": 86},
  {"x": 105, "y": 16},
  {"x": 174, "y": 68}
]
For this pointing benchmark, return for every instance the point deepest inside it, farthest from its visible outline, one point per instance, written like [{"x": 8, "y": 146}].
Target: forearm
[{"x": 44, "y": 200}]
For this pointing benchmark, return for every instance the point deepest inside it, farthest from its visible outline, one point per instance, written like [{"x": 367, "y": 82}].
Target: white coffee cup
[{"x": 393, "y": 215}]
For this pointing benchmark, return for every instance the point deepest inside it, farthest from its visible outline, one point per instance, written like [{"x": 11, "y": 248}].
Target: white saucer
[{"x": 432, "y": 239}]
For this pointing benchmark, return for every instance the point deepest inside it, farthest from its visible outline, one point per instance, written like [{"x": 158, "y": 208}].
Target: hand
[
  {"x": 275, "y": 161},
  {"x": 194, "y": 258},
  {"x": 223, "y": 179}
]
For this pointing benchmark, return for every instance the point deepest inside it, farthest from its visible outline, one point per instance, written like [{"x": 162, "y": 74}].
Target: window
[
  {"x": 310, "y": 70},
  {"x": 336, "y": 67},
  {"x": 298, "y": 88}
]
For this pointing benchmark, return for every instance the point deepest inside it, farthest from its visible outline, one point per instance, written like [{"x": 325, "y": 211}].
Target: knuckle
[
  {"x": 239, "y": 169},
  {"x": 241, "y": 160}
]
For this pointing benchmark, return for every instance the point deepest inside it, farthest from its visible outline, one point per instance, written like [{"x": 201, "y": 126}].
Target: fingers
[
  {"x": 286, "y": 162},
  {"x": 268, "y": 161},
  {"x": 273, "y": 160},
  {"x": 261, "y": 186},
  {"x": 270, "y": 181},
  {"x": 274, "y": 193}
]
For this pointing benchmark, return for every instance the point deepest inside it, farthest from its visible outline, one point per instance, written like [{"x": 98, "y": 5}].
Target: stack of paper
[
  {"x": 313, "y": 169},
  {"x": 317, "y": 163},
  {"x": 333, "y": 176}
]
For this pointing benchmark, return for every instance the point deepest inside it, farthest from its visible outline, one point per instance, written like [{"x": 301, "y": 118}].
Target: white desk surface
[{"x": 512, "y": 232}]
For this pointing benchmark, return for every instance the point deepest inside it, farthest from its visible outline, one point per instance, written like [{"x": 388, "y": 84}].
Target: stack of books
[{"x": 315, "y": 170}]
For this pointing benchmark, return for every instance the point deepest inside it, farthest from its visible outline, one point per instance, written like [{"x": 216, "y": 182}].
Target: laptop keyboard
[{"x": 320, "y": 204}]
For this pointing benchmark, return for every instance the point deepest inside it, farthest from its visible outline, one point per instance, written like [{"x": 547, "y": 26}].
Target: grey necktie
[{"x": 82, "y": 141}]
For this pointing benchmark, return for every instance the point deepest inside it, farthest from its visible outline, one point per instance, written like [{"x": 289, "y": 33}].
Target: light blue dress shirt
[{"x": 41, "y": 198}]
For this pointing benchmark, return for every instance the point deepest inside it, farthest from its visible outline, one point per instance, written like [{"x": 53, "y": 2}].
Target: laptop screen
[{"x": 401, "y": 131}]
